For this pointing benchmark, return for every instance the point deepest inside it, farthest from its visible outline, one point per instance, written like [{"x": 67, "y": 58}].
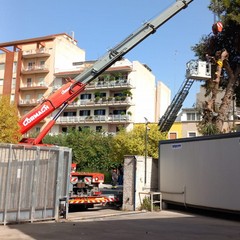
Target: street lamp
[{"x": 146, "y": 153}]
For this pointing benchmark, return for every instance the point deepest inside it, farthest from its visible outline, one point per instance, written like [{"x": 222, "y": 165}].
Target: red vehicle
[{"x": 85, "y": 189}]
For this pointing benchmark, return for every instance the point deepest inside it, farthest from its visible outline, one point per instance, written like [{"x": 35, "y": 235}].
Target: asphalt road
[{"x": 104, "y": 224}]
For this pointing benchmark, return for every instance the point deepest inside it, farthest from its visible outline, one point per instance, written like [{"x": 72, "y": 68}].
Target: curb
[{"x": 102, "y": 216}]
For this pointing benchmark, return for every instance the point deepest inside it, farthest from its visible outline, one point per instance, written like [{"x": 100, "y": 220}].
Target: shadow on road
[{"x": 144, "y": 225}]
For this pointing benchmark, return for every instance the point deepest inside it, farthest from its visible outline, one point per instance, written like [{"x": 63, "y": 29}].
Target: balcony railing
[
  {"x": 109, "y": 84},
  {"x": 34, "y": 86},
  {"x": 41, "y": 52},
  {"x": 35, "y": 69},
  {"x": 29, "y": 102},
  {"x": 91, "y": 119},
  {"x": 103, "y": 101}
]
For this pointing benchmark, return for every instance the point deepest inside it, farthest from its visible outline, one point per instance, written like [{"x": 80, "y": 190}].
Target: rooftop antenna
[{"x": 72, "y": 36}]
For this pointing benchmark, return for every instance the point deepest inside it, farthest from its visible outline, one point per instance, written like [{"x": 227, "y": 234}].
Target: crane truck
[{"x": 70, "y": 91}]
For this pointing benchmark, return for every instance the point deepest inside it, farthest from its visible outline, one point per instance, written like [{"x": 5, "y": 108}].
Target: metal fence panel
[{"x": 32, "y": 180}]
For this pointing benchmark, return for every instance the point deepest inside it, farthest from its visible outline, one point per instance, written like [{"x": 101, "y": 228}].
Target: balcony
[
  {"x": 111, "y": 101},
  {"x": 28, "y": 103},
  {"x": 35, "y": 69},
  {"x": 115, "y": 84},
  {"x": 36, "y": 53},
  {"x": 29, "y": 87},
  {"x": 94, "y": 119}
]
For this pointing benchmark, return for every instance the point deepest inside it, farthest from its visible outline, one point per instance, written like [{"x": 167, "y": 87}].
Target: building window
[
  {"x": 42, "y": 63},
  {"x": 12, "y": 98},
  {"x": 85, "y": 96},
  {"x": 64, "y": 129},
  {"x": 80, "y": 129},
  {"x": 69, "y": 114},
  {"x": 84, "y": 112},
  {"x": 31, "y": 65},
  {"x": 119, "y": 128},
  {"x": 41, "y": 81},
  {"x": 119, "y": 94},
  {"x": 1, "y": 82},
  {"x": 13, "y": 83},
  {"x": 40, "y": 95},
  {"x": 198, "y": 117},
  {"x": 100, "y": 112},
  {"x": 29, "y": 82},
  {"x": 100, "y": 94},
  {"x": 119, "y": 112},
  {"x": 14, "y": 67},
  {"x": 2, "y": 66},
  {"x": 68, "y": 129},
  {"x": 190, "y": 116},
  {"x": 28, "y": 98},
  {"x": 192, "y": 134},
  {"x": 172, "y": 135},
  {"x": 98, "y": 128},
  {"x": 193, "y": 116}
]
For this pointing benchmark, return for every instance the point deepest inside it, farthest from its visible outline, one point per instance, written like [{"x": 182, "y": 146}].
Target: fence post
[
  {"x": 58, "y": 182},
  {"x": 7, "y": 184},
  {"x": 34, "y": 183},
  {"x": 21, "y": 183}
]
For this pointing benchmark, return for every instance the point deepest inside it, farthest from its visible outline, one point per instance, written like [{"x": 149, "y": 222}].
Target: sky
[{"x": 100, "y": 25}]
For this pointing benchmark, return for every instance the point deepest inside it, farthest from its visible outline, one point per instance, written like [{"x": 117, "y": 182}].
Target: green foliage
[
  {"x": 154, "y": 136},
  {"x": 94, "y": 151},
  {"x": 91, "y": 150},
  {"x": 58, "y": 140},
  {"x": 133, "y": 142},
  {"x": 228, "y": 9},
  {"x": 208, "y": 129},
  {"x": 146, "y": 205},
  {"x": 9, "y": 128}
]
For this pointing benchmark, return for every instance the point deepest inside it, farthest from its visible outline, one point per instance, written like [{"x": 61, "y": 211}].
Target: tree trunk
[
  {"x": 212, "y": 114},
  {"x": 228, "y": 96}
]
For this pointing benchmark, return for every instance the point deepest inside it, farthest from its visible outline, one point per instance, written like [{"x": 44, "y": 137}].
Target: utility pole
[{"x": 146, "y": 152}]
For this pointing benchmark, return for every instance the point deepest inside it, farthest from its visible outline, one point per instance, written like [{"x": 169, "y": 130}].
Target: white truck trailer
[{"x": 201, "y": 172}]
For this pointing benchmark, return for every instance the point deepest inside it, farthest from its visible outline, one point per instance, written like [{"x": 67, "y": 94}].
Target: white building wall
[
  {"x": 66, "y": 52},
  {"x": 163, "y": 99},
  {"x": 143, "y": 93},
  {"x": 183, "y": 116}
]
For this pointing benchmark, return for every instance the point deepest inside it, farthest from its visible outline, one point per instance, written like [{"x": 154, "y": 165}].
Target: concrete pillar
[{"x": 134, "y": 180}]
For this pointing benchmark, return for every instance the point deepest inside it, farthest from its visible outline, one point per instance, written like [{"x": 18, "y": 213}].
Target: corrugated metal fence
[{"x": 32, "y": 180}]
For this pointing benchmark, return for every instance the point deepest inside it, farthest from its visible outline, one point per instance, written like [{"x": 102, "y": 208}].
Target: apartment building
[
  {"x": 31, "y": 69},
  {"x": 123, "y": 95},
  {"x": 27, "y": 67}
]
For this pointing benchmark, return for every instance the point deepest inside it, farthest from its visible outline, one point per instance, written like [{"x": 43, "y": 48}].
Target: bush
[{"x": 146, "y": 205}]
